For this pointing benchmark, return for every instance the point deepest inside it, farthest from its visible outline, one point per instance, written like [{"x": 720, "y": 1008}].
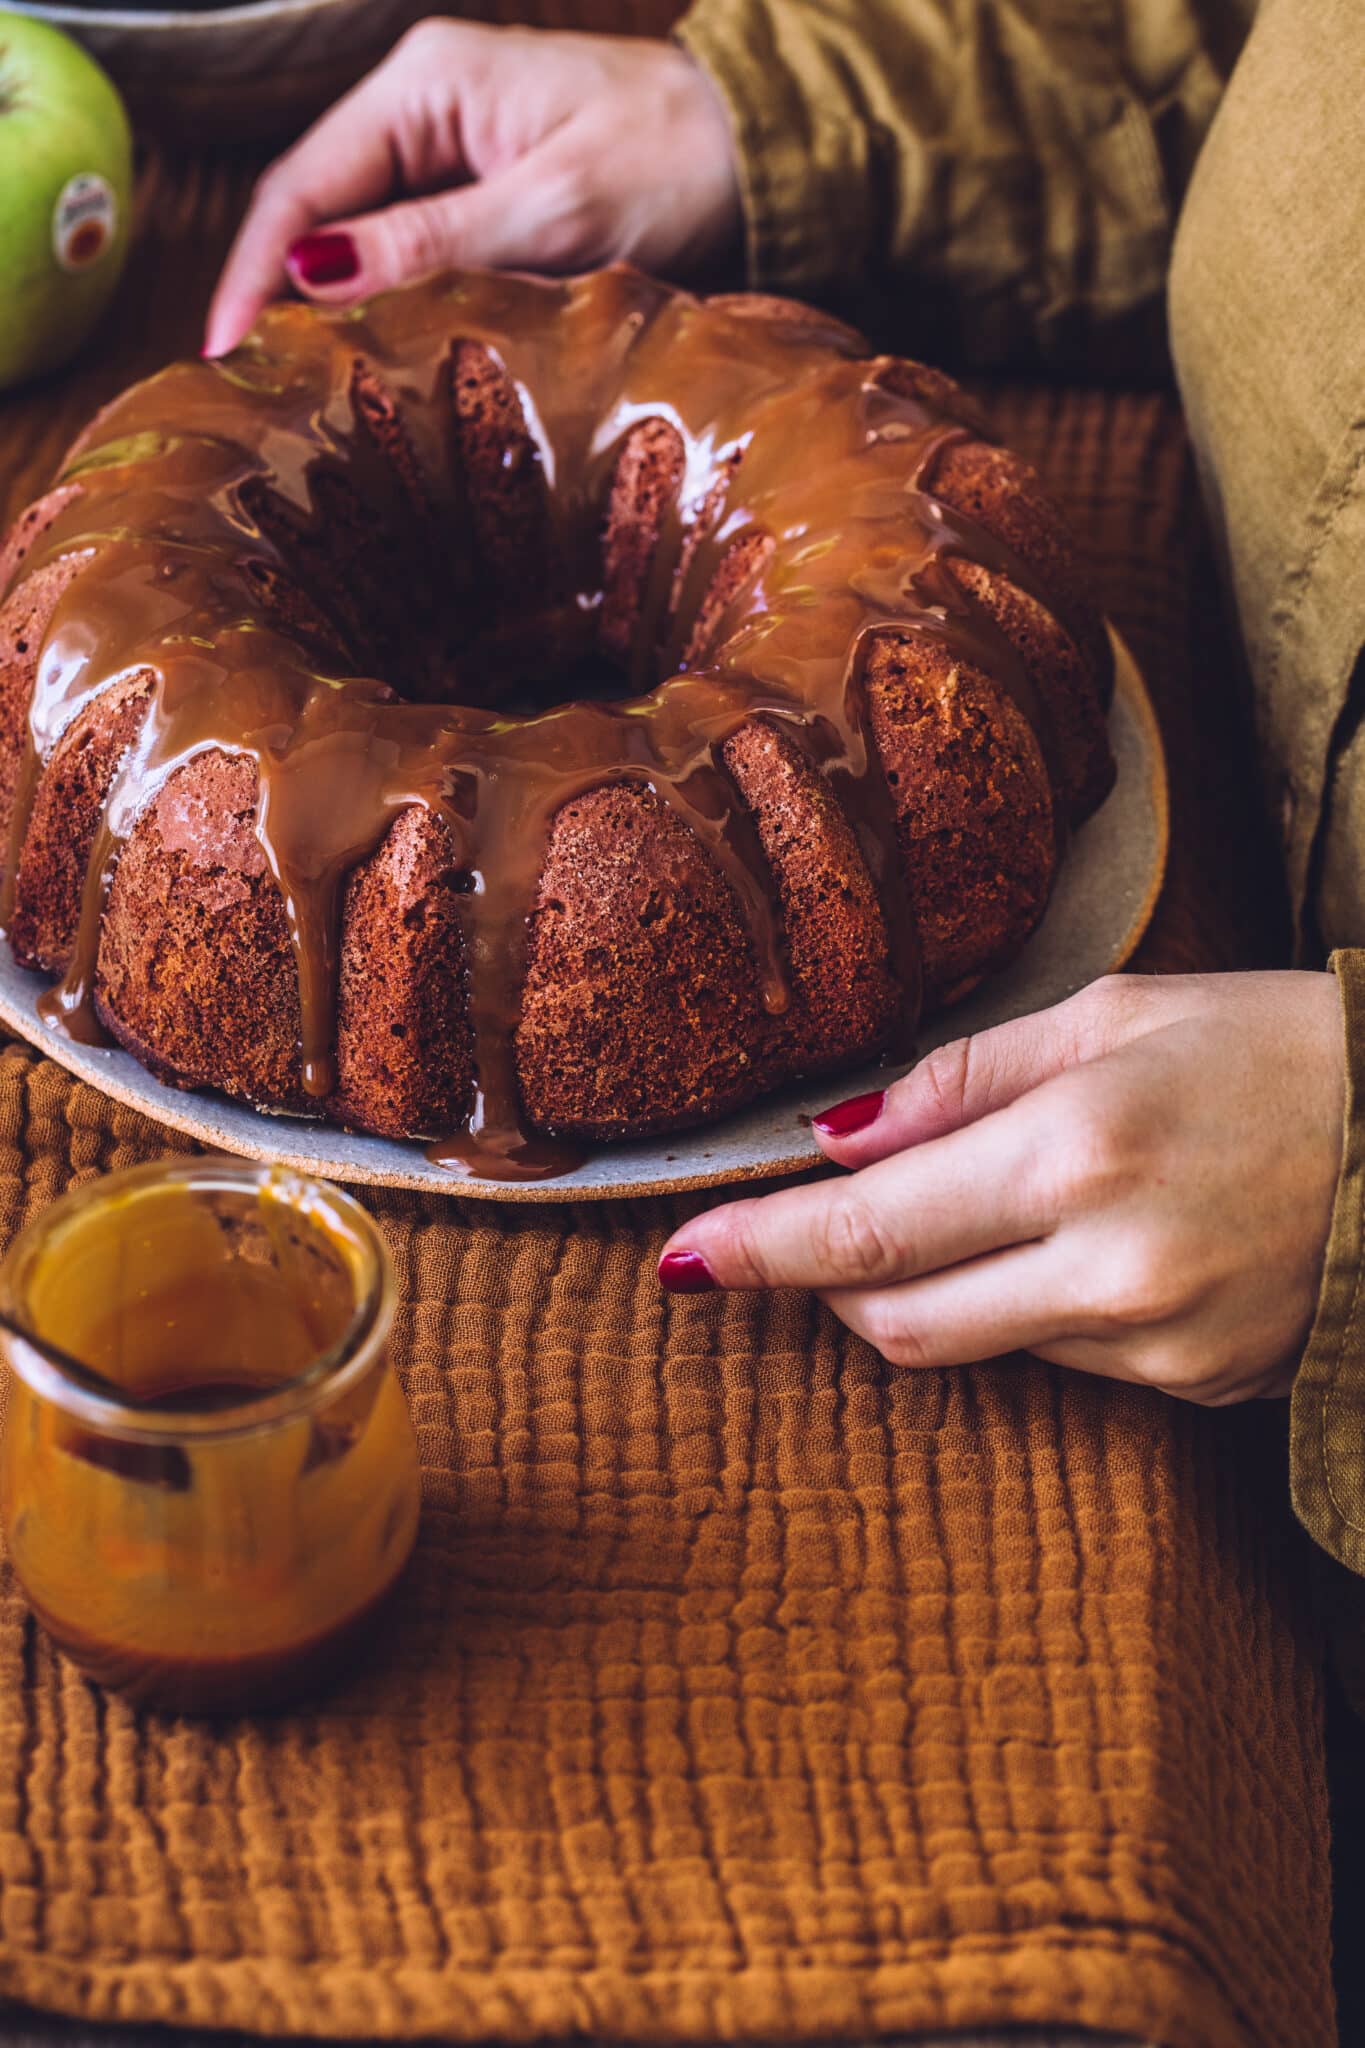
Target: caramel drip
[{"x": 811, "y": 452}]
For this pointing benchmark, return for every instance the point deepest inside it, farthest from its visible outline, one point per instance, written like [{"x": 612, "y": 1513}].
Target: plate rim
[
  {"x": 200, "y": 21},
  {"x": 1128, "y": 681}
]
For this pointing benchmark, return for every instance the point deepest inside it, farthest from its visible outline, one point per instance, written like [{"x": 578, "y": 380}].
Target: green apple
[{"x": 66, "y": 187}]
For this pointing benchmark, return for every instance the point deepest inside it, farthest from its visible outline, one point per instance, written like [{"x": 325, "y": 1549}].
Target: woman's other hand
[
  {"x": 1138, "y": 1183},
  {"x": 496, "y": 148}
]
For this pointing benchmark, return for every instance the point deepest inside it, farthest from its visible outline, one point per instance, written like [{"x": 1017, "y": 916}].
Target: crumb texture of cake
[{"x": 518, "y": 713}]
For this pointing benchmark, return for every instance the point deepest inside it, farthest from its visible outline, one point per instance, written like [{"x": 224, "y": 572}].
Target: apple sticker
[{"x": 84, "y": 220}]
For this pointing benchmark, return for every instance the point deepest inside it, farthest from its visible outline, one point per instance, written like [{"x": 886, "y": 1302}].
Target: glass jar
[{"x": 208, "y": 1478}]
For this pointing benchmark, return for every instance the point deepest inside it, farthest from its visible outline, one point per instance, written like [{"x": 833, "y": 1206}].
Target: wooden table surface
[{"x": 1222, "y": 906}]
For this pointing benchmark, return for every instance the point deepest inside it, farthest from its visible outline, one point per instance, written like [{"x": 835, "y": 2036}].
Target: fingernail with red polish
[
  {"x": 685, "y": 1273},
  {"x": 847, "y": 1117},
  {"x": 323, "y": 259}
]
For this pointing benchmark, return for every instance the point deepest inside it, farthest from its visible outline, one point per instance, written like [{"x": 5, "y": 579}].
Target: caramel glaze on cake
[{"x": 517, "y": 712}]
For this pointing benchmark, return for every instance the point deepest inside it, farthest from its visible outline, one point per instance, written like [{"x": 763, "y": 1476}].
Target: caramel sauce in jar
[{"x": 208, "y": 1477}]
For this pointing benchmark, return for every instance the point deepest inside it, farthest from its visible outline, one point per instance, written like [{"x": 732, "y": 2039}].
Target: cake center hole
[{"x": 593, "y": 675}]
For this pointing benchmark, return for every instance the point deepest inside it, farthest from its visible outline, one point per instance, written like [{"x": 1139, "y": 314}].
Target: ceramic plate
[
  {"x": 1101, "y": 907},
  {"x": 232, "y": 73}
]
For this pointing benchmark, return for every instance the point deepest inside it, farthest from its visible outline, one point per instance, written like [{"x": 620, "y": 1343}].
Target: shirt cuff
[
  {"x": 809, "y": 159},
  {"x": 1327, "y": 1406}
]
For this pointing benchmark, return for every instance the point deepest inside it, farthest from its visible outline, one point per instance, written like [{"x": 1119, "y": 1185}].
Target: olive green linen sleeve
[
  {"x": 1267, "y": 282},
  {"x": 1266, "y": 287},
  {"x": 1327, "y": 1406},
  {"x": 984, "y": 180}
]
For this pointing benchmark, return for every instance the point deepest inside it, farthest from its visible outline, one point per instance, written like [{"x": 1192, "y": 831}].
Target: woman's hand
[
  {"x": 1138, "y": 1183},
  {"x": 503, "y": 149}
]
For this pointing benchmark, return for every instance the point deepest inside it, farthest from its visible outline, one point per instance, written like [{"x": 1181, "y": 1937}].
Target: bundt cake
[{"x": 515, "y": 712}]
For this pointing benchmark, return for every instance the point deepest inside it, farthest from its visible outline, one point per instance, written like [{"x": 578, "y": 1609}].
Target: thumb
[
  {"x": 514, "y": 219},
  {"x": 966, "y": 1079}
]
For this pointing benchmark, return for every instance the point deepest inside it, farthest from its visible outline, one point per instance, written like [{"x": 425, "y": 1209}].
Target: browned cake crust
[{"x": 642, "y": 1007}]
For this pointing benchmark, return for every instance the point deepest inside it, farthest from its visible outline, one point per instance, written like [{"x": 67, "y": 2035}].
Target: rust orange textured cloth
[{"x": 744, "y": 1688}]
